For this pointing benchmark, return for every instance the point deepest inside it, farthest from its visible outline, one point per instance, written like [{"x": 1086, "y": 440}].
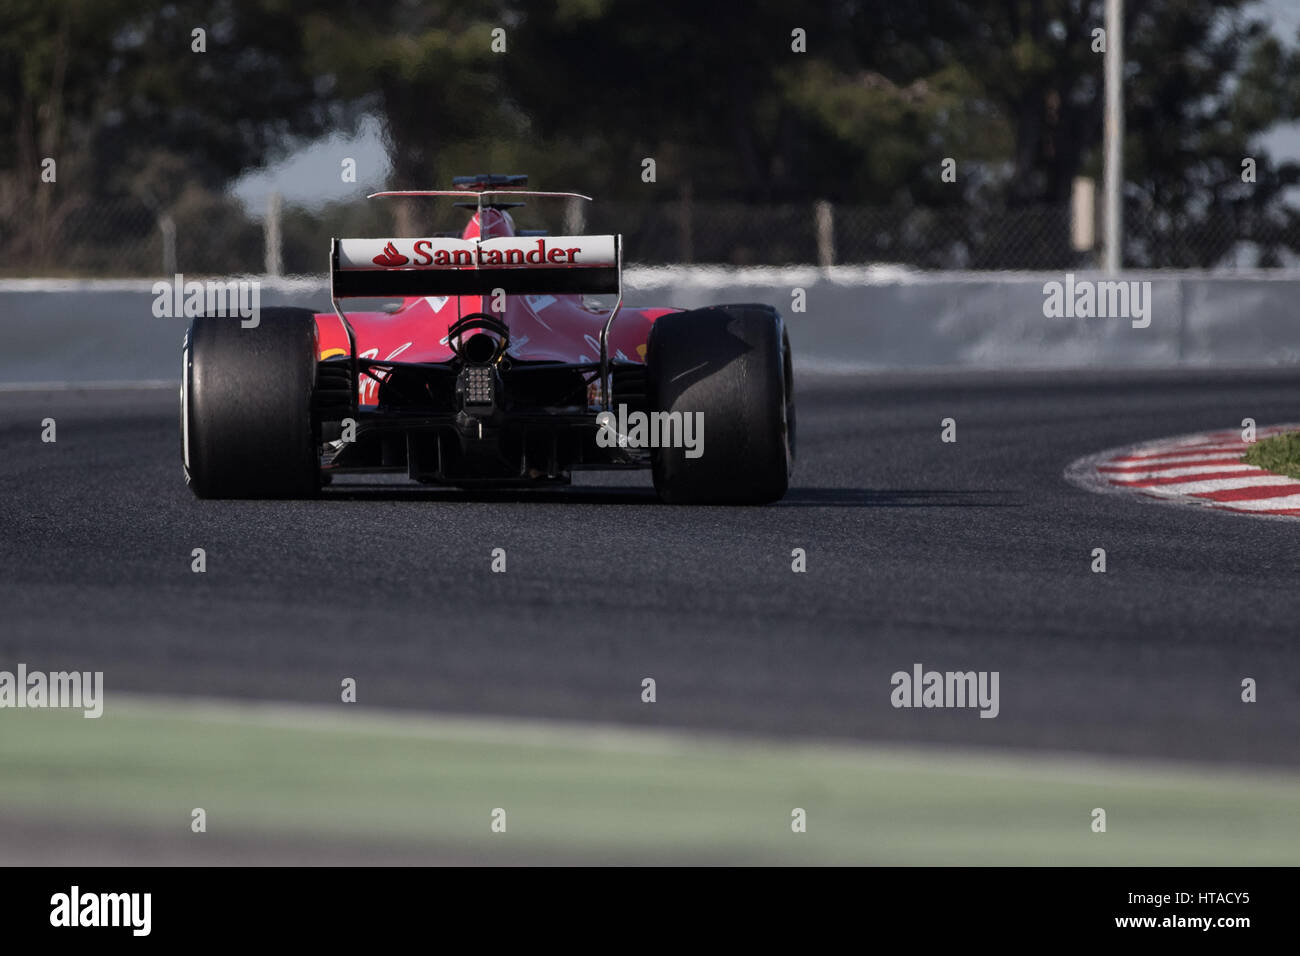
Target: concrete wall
[{"x": 855, "y": 319}]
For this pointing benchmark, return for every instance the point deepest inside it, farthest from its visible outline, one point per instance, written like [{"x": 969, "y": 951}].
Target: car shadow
[
  {"x": 614, "y": 495},
  {"x": 898, "y": 498},
  {"x": 569, "y": 496}
]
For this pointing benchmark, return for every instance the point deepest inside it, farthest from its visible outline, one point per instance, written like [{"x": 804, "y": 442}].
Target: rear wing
[{"x": 513, "y": 264}]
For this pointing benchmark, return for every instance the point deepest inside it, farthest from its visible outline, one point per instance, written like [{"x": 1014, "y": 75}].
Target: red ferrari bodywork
[
  {"x": 547, "y": 328},
  {"x": 506, "y": 359}
]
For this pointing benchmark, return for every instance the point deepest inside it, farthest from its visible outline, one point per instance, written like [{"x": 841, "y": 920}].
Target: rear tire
[
  {"x": 732, "y": 363},
  {"x": 248, "y": 425}
]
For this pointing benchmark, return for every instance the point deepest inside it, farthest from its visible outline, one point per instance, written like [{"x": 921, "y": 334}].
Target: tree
[
  {"x": 580, "y": 92},
  {"x": 116, "y": 94}
]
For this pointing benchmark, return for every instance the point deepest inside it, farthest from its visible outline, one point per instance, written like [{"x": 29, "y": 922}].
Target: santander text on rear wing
[{"x": 513, "y": 264}]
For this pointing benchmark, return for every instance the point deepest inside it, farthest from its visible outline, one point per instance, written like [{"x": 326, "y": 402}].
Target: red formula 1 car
[{"x": 496, "y": 369}]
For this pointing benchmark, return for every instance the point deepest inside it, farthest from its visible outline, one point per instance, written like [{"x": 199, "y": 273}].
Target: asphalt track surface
[{"x": 967, "y": 556}]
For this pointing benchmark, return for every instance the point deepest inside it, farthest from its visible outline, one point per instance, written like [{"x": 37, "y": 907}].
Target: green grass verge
[
  {"x": 1279, "y": 454},
  {"x": 580, "y": 793}
]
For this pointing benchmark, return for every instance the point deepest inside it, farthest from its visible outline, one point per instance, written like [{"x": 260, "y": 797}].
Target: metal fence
[{"x": 217, "y": 235}]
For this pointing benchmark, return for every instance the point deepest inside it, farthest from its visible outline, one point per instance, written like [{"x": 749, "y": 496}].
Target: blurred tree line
[{"x": 579, "y": 92}]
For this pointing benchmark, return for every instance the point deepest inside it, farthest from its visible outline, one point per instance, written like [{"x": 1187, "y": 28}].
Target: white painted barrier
[{"x": 854, "y": 319}]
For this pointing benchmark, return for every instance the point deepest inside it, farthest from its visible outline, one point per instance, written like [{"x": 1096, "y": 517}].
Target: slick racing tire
[
  {"x": 732, "y": 364},
  {"x": 248, "y": 428}
]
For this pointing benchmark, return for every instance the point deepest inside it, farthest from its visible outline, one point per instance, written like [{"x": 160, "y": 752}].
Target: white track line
[
  {"x": 1213, "y": 465},
  {"x": 146, "y": 384},
  {"x": 1218, "y": 484},
  {"x": 1280, "y": 503},
  {"x": 1237, "y": 447}
]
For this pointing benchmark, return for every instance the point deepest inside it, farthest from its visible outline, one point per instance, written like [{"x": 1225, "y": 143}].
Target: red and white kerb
[{"x": 1204, "y": 469}]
